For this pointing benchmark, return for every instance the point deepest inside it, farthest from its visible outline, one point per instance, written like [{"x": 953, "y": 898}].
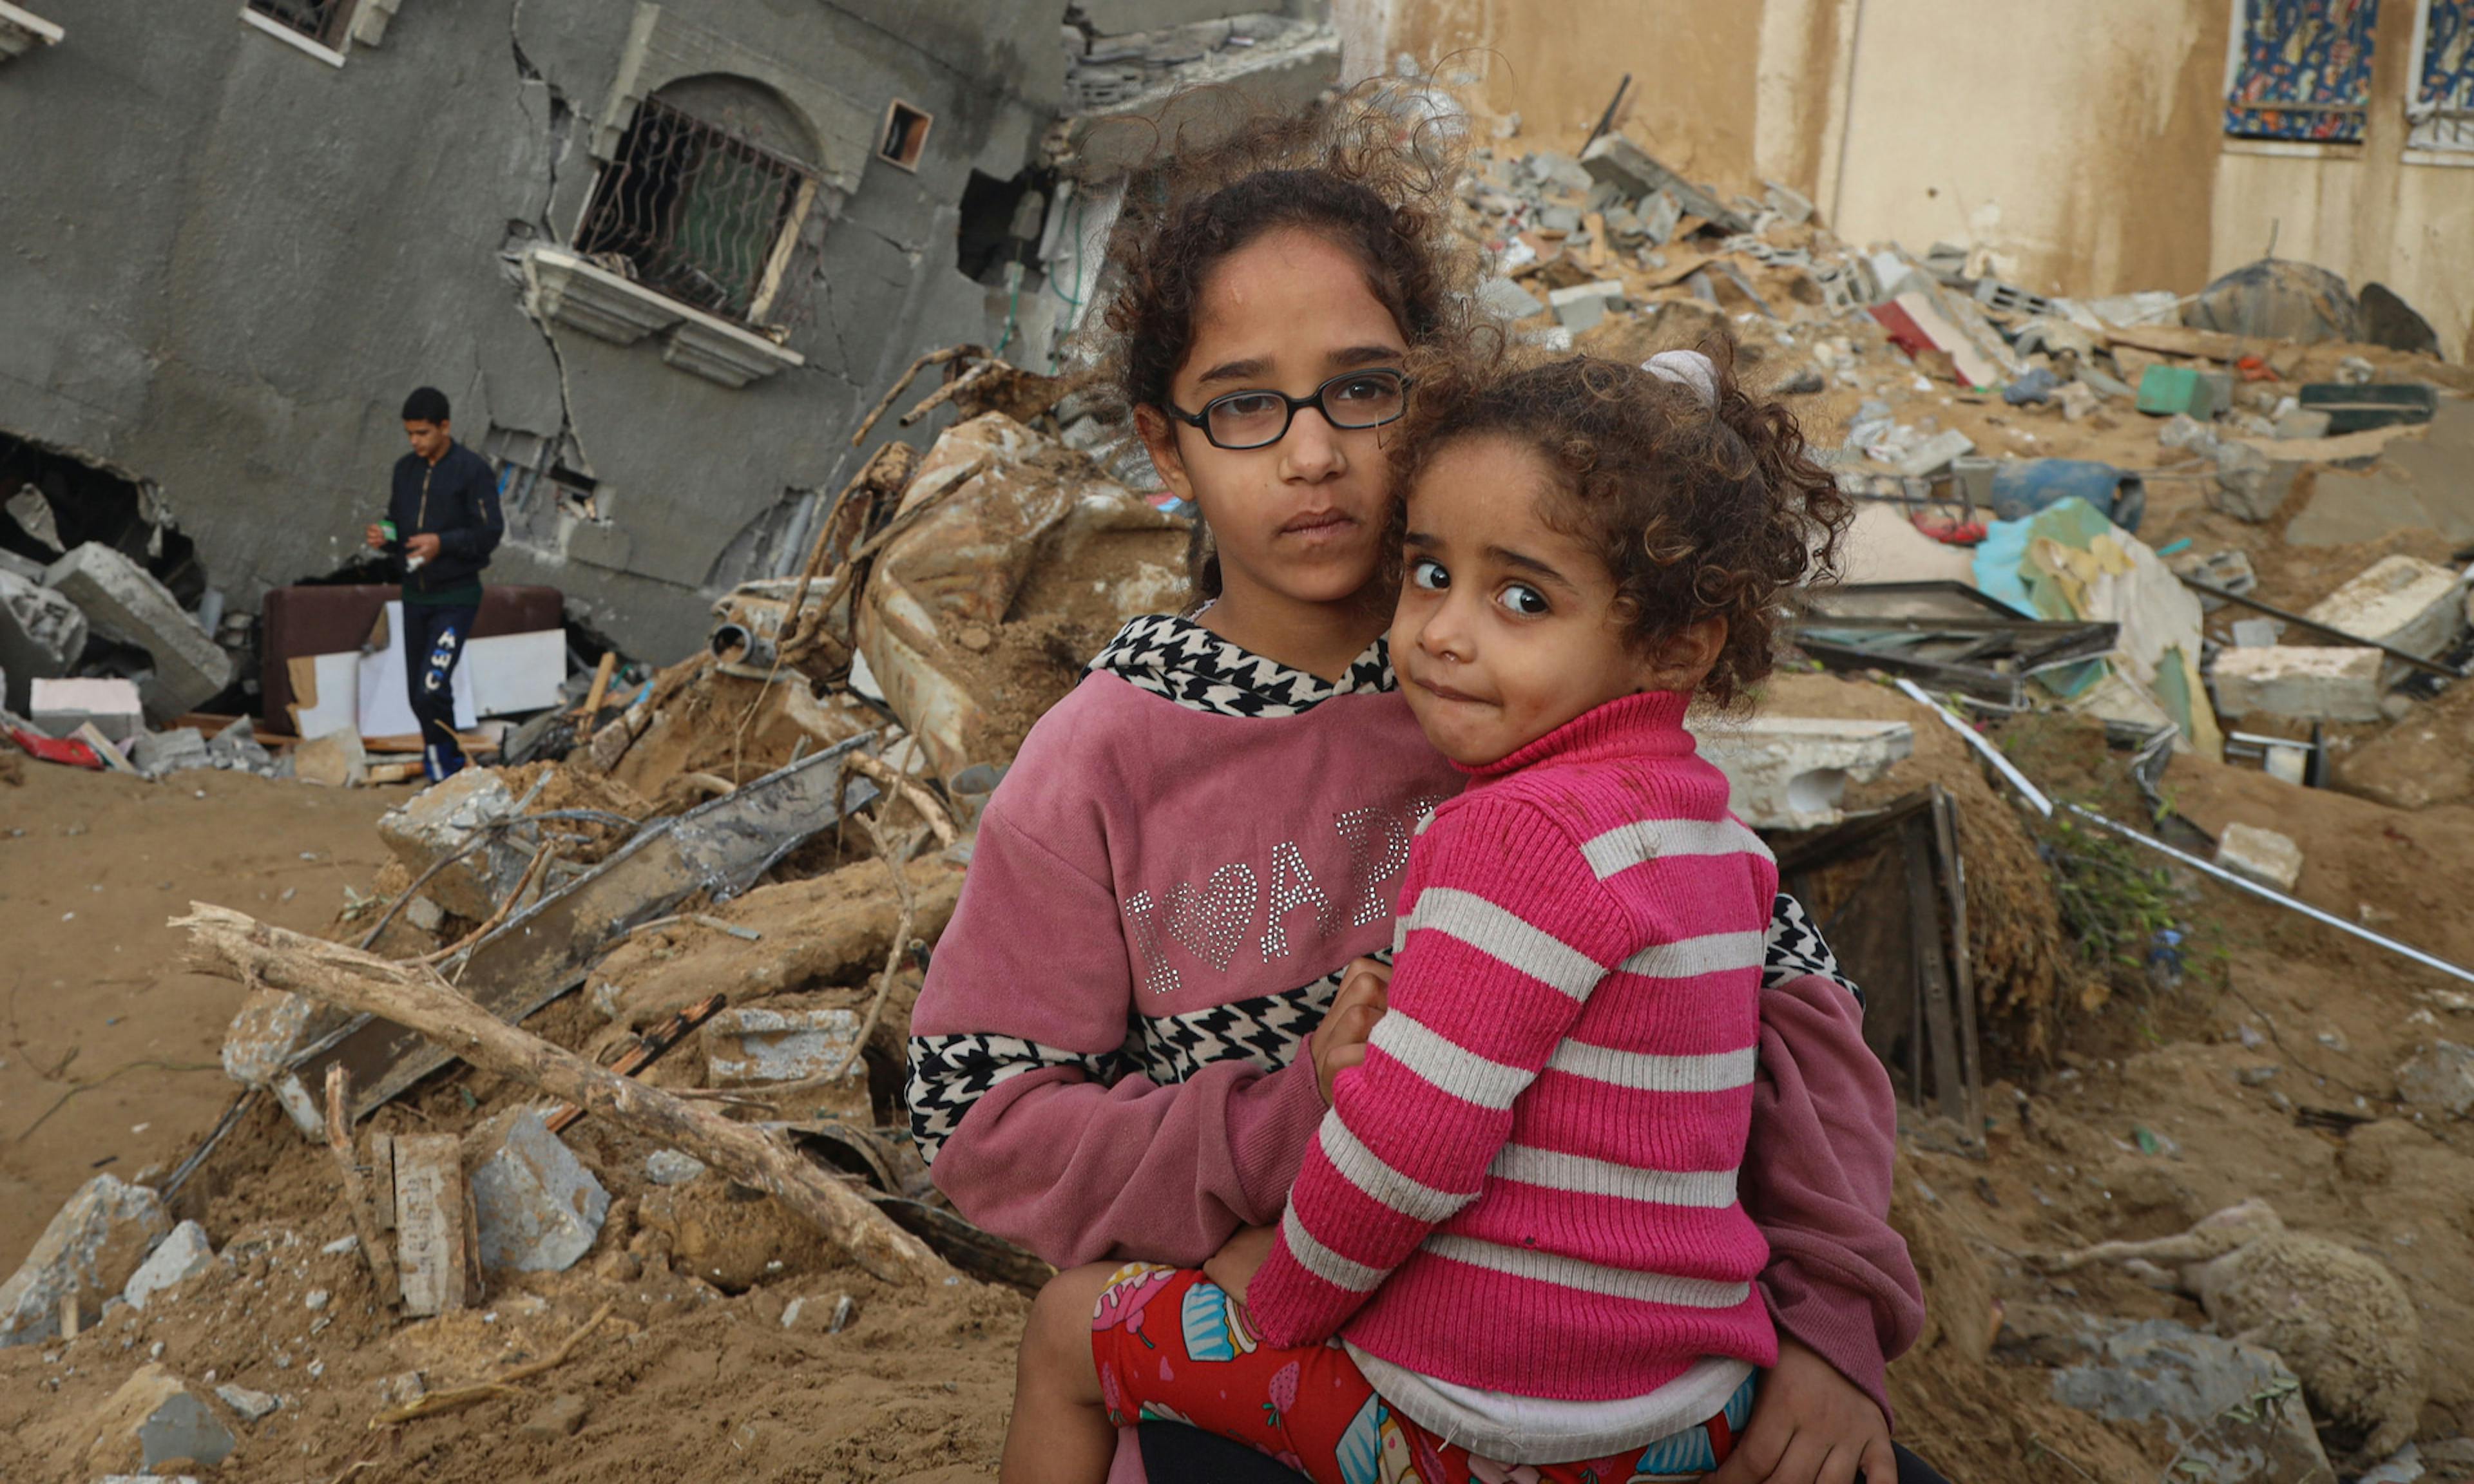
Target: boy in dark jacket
[{"x": 443, "y": 511}]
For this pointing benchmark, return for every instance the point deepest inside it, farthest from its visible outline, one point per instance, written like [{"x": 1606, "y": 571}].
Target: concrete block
[
  {"x": 537, "y": 1207},
  {"x": 59, "y": 707},
  {"x": 440, "y": 821},
  {"x": 1791, "y": 772},
  {"x": 158, "y": 753},
  {"x": 248, "y": 1405},
  {"x": 93, "y": 1246},
  {"x": 335, "y": 760},
  {"x": 2403, "y": 602},
  {"x": 2261, "y": 855},
  {"x": 122, "y": 601},
  {"x": 2335, "y": 685},
  {"x": 2250, "y": 486},
  {"x": 435, "y": 1263},
  {"x": 746, "y": 1047},
  {"x": 1583, "y": 305},
  {"x": 153, "y": 1418},
  {"x": 184, "y": 1254},
  {"x": 41, "y": 635},
  {"x": 2440, "y": 1075},
  {"x": 1506, "y": 299},
  {"x": 1936, "y": 453}
]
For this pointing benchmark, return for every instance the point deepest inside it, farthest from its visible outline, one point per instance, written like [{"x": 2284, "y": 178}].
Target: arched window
[{"x": 708, "y": 198}]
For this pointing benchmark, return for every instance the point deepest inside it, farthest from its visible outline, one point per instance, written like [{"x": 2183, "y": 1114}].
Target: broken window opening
[
  {"x": 53, "y": 502},
  {"x": 906, "y": 135},
  {"x": 537, "y": 485},
  {"x": 1000, "y": 221},
  {"x": 326, "y": 22},
  {"x": 706, "y": 215}
]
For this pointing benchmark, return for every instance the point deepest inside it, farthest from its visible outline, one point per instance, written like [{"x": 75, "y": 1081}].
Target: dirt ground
[{"x": 99, "y": 1011}]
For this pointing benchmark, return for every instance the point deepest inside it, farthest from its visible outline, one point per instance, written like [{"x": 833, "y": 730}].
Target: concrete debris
[
  {"x": 2399, "y": 601},
  {"x": 42, "y": 635},
  {"x": 182, "y": 1255},
  {"x": 249, "y": 1406},
  {"x": 537, "y": 1207},
  {"x": 757, "y": 1045},
  {"x": 1582, "y": 306},
  {"x": 92, "y": 1247},
  {"x": 670, "y": 1167},
  {"x": 153, "y": 1419},
  {"x": 2335, "y": 684},
  {"x": 2438, "y": 1076},
  {"x": 1616, "y": 162},
  {"x": 439, "y": 822},
  {"x": 111, "y": 707},
  {"x": 1792, "y": 772},
  {"x": 236, "y": 748},
  {"x": 2235, "y": 1410},
  {"x": 123, "y": 602},
  {"x": 2261, "y": 855},
  {"x": 1501, "y": 298},
  {"x": 160, "y": 752},
  {"x": 435, "y": 1258},
  {"x": 560, "y": 1416},
  {"x": 335, "y": 760}
]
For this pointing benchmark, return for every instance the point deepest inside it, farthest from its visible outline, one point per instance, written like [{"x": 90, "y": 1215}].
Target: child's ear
[
  {"x": 1160, "y": 436},
  {"x": 1682, "y": 660}
]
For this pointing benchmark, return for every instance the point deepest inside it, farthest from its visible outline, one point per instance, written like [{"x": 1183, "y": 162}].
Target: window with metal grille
[
  {"x": 323, "y": 21},
  {"x": 704, "y": 215}
]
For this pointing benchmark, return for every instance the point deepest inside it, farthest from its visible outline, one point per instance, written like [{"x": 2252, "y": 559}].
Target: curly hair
[
  {"x": 1698, "y": 511},
  {"x": 1353, "y": 170}
]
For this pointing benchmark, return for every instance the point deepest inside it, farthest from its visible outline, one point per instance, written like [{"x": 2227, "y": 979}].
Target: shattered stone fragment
[
  {"x": 182, "y": 1255},
  {"x": 249, "y": 1406},
  {"x": 158, "y": 753},
  {"x": 670, "y": 1167},
  {"x": 153, "y": 1418},
  {"x": 2439, "y": 1076},
  {"x": 92, "y": 1247},
  {"x": 759, "y": 1045},
  {"x": 2238, "y": 1406},
  {"x": 1792, "y": 772},
  {"x": 2403, "y": 602},
  {"x": 538, "y": 1208},
  {"x": 2261, "y": 855},
  {"x": 122, "y": 601},
  {"x": 2337, "y": 683},
  {"x": 440, "y": 821},
  {"x": 41, "y": 635},
  {"x": 335, "y": 760}
]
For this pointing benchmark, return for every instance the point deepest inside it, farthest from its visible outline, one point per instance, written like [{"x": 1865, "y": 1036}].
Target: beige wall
[{"x": 2080, "y": 143}]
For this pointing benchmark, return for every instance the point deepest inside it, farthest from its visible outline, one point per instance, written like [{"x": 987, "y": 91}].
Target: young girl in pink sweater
[
  {"x": 1516, "y": 1243},
  {"x": 1124, "y": 1046}
]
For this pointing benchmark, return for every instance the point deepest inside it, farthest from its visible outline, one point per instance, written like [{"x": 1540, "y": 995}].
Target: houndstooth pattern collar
[{"x": 1174, "y": 656}]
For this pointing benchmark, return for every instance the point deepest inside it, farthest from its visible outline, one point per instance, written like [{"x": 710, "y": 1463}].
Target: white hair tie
[{"x": 1686, "y": 369}]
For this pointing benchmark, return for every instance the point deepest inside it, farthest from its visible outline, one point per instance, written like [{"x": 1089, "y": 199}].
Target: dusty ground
[{"x": 98, "y": 1009}]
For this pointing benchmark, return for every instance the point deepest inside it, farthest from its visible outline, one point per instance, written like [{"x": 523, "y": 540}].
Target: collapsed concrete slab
[
  {"x": 180, "y": 1257},
  {"x": 2337, "y": 684},
  {"x": 93, "y": 1246},
  {"x": 41, "y": 635},
  {"x": 2400, "y": 601},
  {"x": 123, "y": 602},
  {"x": 2261, "y": 855},
  {"x": 153, "y": 1419},
  {"x": 537, "y": 1208},
  {"x": 441, "y": 821},
  {"x": 1791, "y": 772}
]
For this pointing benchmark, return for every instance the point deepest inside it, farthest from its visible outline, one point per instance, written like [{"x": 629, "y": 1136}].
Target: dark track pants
[{"x": 433, "y": 641}]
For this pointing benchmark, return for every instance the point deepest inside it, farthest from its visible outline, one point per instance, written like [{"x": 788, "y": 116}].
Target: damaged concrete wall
[{"x": 230, "y": 259}]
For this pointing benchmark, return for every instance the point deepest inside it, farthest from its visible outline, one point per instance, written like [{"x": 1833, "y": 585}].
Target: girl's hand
[
  {"x": 1233, "y": 1266},
  {"x": 1810, "y": 1425},
  {"x": 1339, "y": 1042}
]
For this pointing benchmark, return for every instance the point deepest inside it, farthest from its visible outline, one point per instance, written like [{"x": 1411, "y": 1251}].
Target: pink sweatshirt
[
  {"x": 1530, "y": 1184},
  {"x": 1106, "y": 1058}
]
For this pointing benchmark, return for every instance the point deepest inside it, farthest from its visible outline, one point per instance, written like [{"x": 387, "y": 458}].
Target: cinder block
[
  {"x": 2337, "y": 685},
  {"x": 93, "y": 1246},
  {"x": 2261, "y": 855},
  {"x": 537, "y": 1207},
  {"x": 441, "y": 819},
  {"x": 122, "y": 601},
  {"x": 41, "y": 635},
  {"x": 747, "y": 1047},
  {"x": 184, "y": 1254},
  {"x": 1791, "y": 772},
  {"x": 2402, "y": 602},
  {"x": 59, "y": 707}
]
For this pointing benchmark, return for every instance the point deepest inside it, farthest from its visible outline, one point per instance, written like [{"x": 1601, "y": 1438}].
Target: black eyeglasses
[{"x": 1257, "y": 419}]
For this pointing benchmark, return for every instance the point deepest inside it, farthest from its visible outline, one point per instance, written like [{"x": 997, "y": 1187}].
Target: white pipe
[
  {"x": 2209, "y": 868},
  {"x": 1991, "y": 754}
]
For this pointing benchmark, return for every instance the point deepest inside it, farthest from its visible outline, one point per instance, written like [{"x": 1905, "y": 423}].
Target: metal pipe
[{"x": 1990, "y": 753}]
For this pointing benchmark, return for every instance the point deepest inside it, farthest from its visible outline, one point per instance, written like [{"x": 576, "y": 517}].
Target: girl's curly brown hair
[
  {"x": 1699, "y": 512},
  {"x": 1356, "y": 170}
]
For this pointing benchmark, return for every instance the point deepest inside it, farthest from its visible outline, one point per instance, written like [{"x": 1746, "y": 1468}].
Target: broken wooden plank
[
  {"x": 238, "y": 946},
  {"x": 542, "y": 952}
]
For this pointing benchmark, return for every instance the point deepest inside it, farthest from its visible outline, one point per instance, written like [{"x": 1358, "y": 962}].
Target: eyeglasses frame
[{"x": 1201, "y": 421}]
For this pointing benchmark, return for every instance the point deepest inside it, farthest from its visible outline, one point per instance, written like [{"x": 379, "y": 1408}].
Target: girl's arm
[
  {"x": 1816, "y": 1180},
  {"x": 1014, "y": 1092}
]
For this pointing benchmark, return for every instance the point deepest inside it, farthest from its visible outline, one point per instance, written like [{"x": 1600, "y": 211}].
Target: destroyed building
[{"x": 659, "y": 257}]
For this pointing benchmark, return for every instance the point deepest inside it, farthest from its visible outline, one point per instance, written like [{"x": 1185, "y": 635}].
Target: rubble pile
[{"x": 580, "y": 1135}]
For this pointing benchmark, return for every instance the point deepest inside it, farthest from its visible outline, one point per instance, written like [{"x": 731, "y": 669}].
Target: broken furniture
[
  {"x": 301, "y": 622},
  {"x": 1945, "y": 635},
  {"x": 1888, "y": 894},
  {"x": 2359, "y": 409}
]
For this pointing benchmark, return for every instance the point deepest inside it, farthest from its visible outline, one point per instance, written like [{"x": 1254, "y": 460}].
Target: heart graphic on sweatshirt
[{"x": 1212, "y": 921}]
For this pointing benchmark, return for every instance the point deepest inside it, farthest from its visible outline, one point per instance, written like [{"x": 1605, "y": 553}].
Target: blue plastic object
[{"x": 2023, "y": 487}]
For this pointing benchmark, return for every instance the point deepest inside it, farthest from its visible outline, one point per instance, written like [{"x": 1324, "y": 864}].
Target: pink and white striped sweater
[{"x": 1529, "y": 1186}]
